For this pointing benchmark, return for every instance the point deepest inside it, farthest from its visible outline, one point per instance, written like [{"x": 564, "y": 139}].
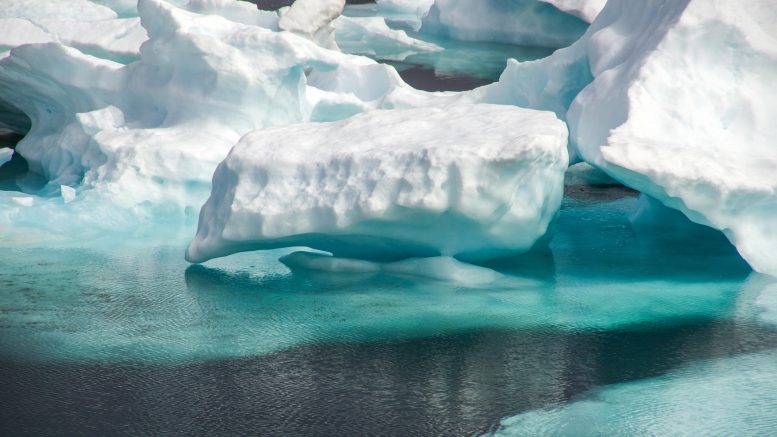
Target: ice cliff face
[
  {"x": 673, "y": 99},
  {"x": 471, "y": 181},
  {"x": 689, "y": 122}
]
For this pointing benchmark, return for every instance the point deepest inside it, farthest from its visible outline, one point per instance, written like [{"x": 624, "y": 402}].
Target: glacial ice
[
  {"x": 371, "y": 36},
  {"x": 586, "y": 10},
  {"x": 146, "y": 136},
  {"x": 672, "y": 99},
  {"x": 313, "y": 18},
  {"x": 388, "y": 185},
  {"x": 523, "y": 22},
  {"x": 87, "y": 26},
  {"x": 408, "y": 12},
  {"x": 142, "y": 126},
  {"x": 685, "y": 114},
  {"x": 5, "y": 155}
]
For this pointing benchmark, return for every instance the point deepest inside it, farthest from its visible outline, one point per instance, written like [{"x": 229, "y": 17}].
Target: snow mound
[
  {"x": 470, "y": 181},
  {"x": 523, "y": 22}
]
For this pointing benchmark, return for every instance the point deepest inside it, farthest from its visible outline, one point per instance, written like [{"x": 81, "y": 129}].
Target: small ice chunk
[
  {"x": 68, "y": 193},
  {"x": 5, "y": 155}
]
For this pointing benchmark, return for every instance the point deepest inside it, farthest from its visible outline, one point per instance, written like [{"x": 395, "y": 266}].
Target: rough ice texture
[
  {"x": 312, "y": 18},
  {"x": 525, "y": 22},
  {"x": 586, "y": 10},
  {"x": 90, "y": 27},
  {"x": 143, "y": 138},
  {"x": 689, "y": 117},
  {"x": 470, "y": 181},
  {"x": 675, "y": 99}
]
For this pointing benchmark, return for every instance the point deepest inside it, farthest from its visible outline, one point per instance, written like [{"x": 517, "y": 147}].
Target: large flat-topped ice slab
[{"x": 471, "y": 181}]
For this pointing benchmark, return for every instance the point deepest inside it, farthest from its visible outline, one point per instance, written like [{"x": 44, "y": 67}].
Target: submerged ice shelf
[{"x": 59, "y": 305}]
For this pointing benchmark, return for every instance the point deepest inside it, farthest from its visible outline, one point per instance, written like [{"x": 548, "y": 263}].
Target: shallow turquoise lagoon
[{"x": 607, "y": 328}]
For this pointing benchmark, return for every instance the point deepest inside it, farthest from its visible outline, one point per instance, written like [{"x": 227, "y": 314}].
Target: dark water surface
[
  {"x": 129, "y": 340},
  {"x": 452, "y": 385}
]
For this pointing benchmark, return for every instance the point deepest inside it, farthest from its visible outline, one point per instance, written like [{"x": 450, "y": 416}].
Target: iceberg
[
  {"x": 142, "y": 139},
  {"x": 685, "y": 115},
  {"x": 87, "y": 26},
  {"x": 523, "y": 22},
  {"x": 313, "y": 18},
  {"x": 371, "y": 36},
  {"x": 441, "y": 268},
  {"x": 671, "y": 99},
  {"x": 406, "y": 12},
  {"x": 468, "y": 181},
  {"x": 586, "y": 10}
]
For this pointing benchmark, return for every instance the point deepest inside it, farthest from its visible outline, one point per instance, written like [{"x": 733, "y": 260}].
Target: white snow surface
[
  {"x": 586, "y": 10},
  {"x": 470, "y": 181},
  {"x": 312, "y": 18},
  {"x": 134, "y": 106},
  {"x": 674, "y": 99},
  {"x": 685, "y": 115},
  {"x": 142, "y": 140},
  {"x": 90, "y": 27},
  {"x": 524, "y": 22}
]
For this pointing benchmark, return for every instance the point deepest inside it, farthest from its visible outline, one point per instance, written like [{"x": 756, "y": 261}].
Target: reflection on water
[{"x": 134, "y": 340}]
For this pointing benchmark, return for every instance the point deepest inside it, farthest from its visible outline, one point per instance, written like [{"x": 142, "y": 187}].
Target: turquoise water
[
  {"x": 609, "y": 328},
  {"x": 460, "y": 65}
]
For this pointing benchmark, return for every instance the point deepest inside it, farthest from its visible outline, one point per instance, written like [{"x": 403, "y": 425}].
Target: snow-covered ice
[
  {"x": 147, "y": 136},
  {"x": 685, "y": 115},
  {"x": 313, "y": 18},
  {"x": 135, "y": 104},
  {"x": 586, "y": 10},
  {"x": 471, "y": 181},
  {"x": 672, "y": 99},
  {"x": 371, "y": 36},
  {"x": 524, "y": 22}
]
